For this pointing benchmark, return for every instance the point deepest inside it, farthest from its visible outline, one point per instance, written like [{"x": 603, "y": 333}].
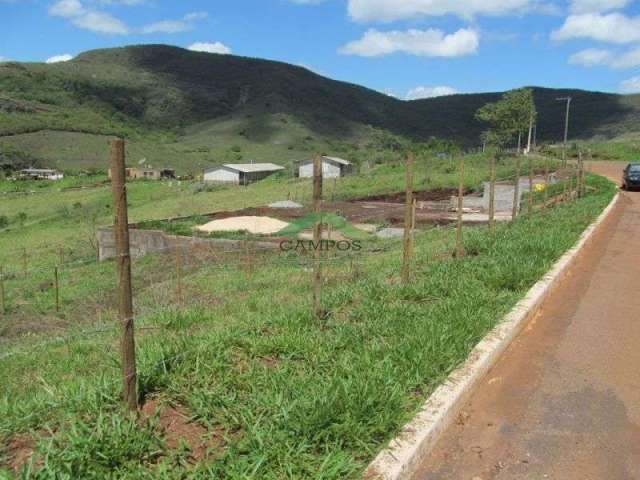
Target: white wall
[
  {"x": 329, "y": 170},
  {"x": 222, "y": 175}
]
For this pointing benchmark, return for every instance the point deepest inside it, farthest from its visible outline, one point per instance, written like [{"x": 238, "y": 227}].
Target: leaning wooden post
[
  {"x": 3, "y": 306},
  {"x": 317, "y": 237},
  {"x": 123, "y": 260},
  {"x": 516, "y": 191},
  {"x": 459, "y": 239},
  {"x": 408, "y": 220},
  {"x": 56, "y": 285},
  {"x": 492, "y": 195},
  {"x": 530, "y": 203}
]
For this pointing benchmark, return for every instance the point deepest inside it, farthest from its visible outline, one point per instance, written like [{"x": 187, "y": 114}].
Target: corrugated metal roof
[
  {"x": 338, "y": 160},
  {"x": 253, "y": 167}
]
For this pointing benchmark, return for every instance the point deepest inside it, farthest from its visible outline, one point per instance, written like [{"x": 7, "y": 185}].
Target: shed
[
  {"x": 332, "y": 167},
  {"x": 41, "y": 174},
  {"x": 240, "y": 173}
]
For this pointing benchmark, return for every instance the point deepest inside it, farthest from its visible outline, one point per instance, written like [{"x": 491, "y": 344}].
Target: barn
[
  {"x": 240, "y": 173},
  {"x": 332, "y": 167}
]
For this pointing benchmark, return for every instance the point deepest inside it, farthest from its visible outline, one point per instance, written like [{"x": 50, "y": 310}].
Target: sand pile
[{"x": 255, "y": 225}]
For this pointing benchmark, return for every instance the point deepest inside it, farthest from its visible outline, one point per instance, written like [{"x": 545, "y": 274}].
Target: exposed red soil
[
  {"x": 437, "y": 195},
  {"x": 179, "y": 429},
  {"x": 19, "y": 451}
]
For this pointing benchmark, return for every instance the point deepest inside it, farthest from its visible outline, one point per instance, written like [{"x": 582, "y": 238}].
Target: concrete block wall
[{"x": 144, "y": 242}]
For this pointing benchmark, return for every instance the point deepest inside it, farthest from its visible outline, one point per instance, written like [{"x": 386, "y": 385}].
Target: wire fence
[{"x": 48, "y": 313}]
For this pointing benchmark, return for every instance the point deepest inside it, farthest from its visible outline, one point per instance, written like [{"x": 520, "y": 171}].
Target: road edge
[{"x": 417, "y": 438}]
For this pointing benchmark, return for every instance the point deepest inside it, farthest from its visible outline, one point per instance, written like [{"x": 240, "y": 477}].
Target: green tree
[{"x": 509, "y": 117}]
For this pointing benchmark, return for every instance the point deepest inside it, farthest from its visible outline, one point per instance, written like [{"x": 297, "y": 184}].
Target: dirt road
[{"x": 563, "y": 402}]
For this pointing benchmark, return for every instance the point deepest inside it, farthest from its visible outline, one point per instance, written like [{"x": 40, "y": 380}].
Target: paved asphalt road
[{"x": 563, "y": 402}]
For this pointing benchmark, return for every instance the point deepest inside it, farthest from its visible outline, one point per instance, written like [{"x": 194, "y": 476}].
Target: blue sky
[{"x": 408, "y": 48}]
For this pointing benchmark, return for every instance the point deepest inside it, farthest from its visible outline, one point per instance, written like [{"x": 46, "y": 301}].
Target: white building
[
  {"x": 332, "y": 167},
  {"x": 41, "y": 174},
  {"x": 240, "y": 173}
]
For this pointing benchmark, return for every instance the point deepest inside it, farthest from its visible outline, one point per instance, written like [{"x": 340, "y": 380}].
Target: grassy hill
[{"x": 190, "y": 109}]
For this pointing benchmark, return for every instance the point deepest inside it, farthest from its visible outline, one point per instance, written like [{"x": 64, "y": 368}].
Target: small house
[
  {"x": 40, "y": 174},
  {"x": 332, "y": 167},
  {"x": 148, "y": 173},
  {"x": 240, "y": 173}
]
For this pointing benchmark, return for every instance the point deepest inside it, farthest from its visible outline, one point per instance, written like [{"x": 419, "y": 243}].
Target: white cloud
[
  {"x": 175, "y": 26},
  {"x": 92, "y": 20},
  {"x": 195, "y": 16},
  {"x": 630, "y": 59},
  {"x": 611, "y": 28},
  {"x": 430, "y": 92},
  {"x": 426, "y": 43},
  {"x": 595, "y": 57},
  {"x": 591, "y": 57},
  {"x": 215, "y": 47},
  {"x": 631, "y": 85},
  {"x": 59, "y": 58},
  {"x": 166, "y": 26},
  {"x": 100, "y": 22},
  {"x": 597, "y": 6},
  {"x": 391, "y": 10},
  {"x": 67, "y": 9}
]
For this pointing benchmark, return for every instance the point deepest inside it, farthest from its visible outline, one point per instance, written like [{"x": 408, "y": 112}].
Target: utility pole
[
  {"x": 566, "y": 128},
  {"x": 123, "y": 261}
]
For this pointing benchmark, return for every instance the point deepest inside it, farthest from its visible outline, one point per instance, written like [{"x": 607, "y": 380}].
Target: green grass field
[{"x": 276, "y": 393}]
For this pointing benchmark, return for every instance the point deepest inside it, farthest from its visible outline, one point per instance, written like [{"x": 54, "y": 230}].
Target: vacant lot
[{"x": 263, "y": 389}]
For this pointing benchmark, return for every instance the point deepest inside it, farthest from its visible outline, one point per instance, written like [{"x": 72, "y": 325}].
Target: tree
[{"x": 510, "y": 116}]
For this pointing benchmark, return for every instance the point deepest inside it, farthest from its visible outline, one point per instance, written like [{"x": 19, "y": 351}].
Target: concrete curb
[{"x": 399, "y": 460}]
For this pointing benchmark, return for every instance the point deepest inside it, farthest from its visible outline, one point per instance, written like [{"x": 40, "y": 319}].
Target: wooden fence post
[
  {"x": 530, "y": 204},
  {"x": 3, "y": 306},
  {"x": 178, "y": 274},
  {"x": 317, "y": 237},
  {"x": 546, "y": 182},
  {"x": 492, "y": 195},
  {"x": 407, "y": 247},
  {"x": 56, "y": 285},
  {"x": 459, "y": 239},
  {"x": 123, "y": 260},
  {"x": 580, "y": 175},
  {"x": 516, "y": 191}
]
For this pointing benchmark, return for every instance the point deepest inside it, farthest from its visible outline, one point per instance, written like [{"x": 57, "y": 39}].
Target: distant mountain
[{"x": 143, "y": 89}]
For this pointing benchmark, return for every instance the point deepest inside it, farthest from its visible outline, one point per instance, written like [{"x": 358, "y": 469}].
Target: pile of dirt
[{"x": 251, "y": 224}]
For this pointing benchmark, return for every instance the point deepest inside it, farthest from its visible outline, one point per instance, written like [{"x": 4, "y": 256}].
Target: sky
[{"x": 405, "y": 48}]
